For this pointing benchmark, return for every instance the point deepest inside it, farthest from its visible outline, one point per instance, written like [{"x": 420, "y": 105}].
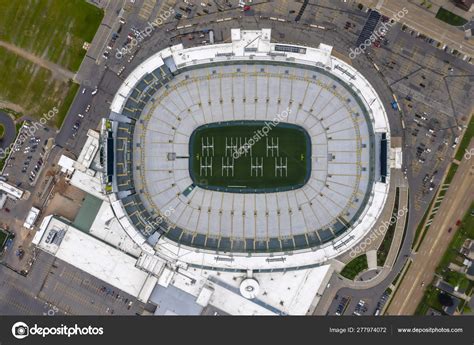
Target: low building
[
  {"x": 88, "y": 152},
  {"x": 451, "y": 310},
  {"x": 31, "y": 218},
  {"x": 57, "y": 237},
  {"x": 12, "y": 191},
  {"x": 3, "y": 200}
]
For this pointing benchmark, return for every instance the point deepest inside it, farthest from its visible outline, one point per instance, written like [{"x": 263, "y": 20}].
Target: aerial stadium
[{"x": 246, "y": 155}]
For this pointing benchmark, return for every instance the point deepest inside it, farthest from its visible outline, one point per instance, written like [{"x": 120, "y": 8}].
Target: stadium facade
[{"x": 146, "y": 153}]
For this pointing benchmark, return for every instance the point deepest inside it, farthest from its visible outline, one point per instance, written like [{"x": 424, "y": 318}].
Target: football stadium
[{"x": 246, "y": 155}]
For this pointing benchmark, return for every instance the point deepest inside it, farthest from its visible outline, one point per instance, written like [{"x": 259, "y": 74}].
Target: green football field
[{"x": 239, "y": 157}]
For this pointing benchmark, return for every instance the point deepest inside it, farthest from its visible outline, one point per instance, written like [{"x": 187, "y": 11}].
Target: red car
[
  {"x": 458, "y": 222},
  {"x": 246, "y": 8}
]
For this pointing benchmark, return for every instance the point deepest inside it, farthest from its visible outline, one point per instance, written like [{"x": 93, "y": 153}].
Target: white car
[{"x": 80, "y": 115}]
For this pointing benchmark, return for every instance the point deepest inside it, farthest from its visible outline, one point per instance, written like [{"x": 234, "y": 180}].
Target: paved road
[
  {"x": 9, "y": 134},
  {"x": 457, "y": 201}
]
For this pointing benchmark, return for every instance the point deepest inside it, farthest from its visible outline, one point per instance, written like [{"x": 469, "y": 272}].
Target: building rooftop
[
  {"x": 10, "y": 190},
  {"x": 31, "y": 217},
  {"x": 94, "y": 257}
]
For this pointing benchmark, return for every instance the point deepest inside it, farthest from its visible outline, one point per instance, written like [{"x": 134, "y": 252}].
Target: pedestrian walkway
[{"x": 372, "y": 259}]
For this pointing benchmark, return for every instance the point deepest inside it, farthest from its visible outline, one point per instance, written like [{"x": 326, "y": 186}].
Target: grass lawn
[
  {"x": 452, "y": 171},
  {"x": 450, "y": 18},
  {"x": 66, "y": 103},
  {"x": 430, "y": 299},
  {"x": 18, "y": 127},
  {"x": 466, "y": 139},
  {"x": 52, "y": 29},
  {"x": 466, "y": 309},
  {"x": 382, "y": 251},
  {"x": 278, "y": 161},
  {"x": 3, "y": 238},
  {"x": 457, "y": 279},
  {"x": 356, "y": 266},
  {"x": 33, "y": 87},
  {"x": 2, "y": 131}
]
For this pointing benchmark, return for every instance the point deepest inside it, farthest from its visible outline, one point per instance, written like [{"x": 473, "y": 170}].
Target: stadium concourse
[{"x": 162, "y": 102}]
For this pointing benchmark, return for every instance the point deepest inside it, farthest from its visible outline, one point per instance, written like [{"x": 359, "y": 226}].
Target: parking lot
[
  {"x": 433, "y": 87},
  {"x": 23, "y": 169},
  {"x": 78, "y": 293},
  {"x": 27, "y": 161},
  {"x": 54, "y": 287}
]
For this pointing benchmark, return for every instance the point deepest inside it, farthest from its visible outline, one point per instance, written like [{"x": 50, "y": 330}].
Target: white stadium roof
[{"x": 251, "y": 50}]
